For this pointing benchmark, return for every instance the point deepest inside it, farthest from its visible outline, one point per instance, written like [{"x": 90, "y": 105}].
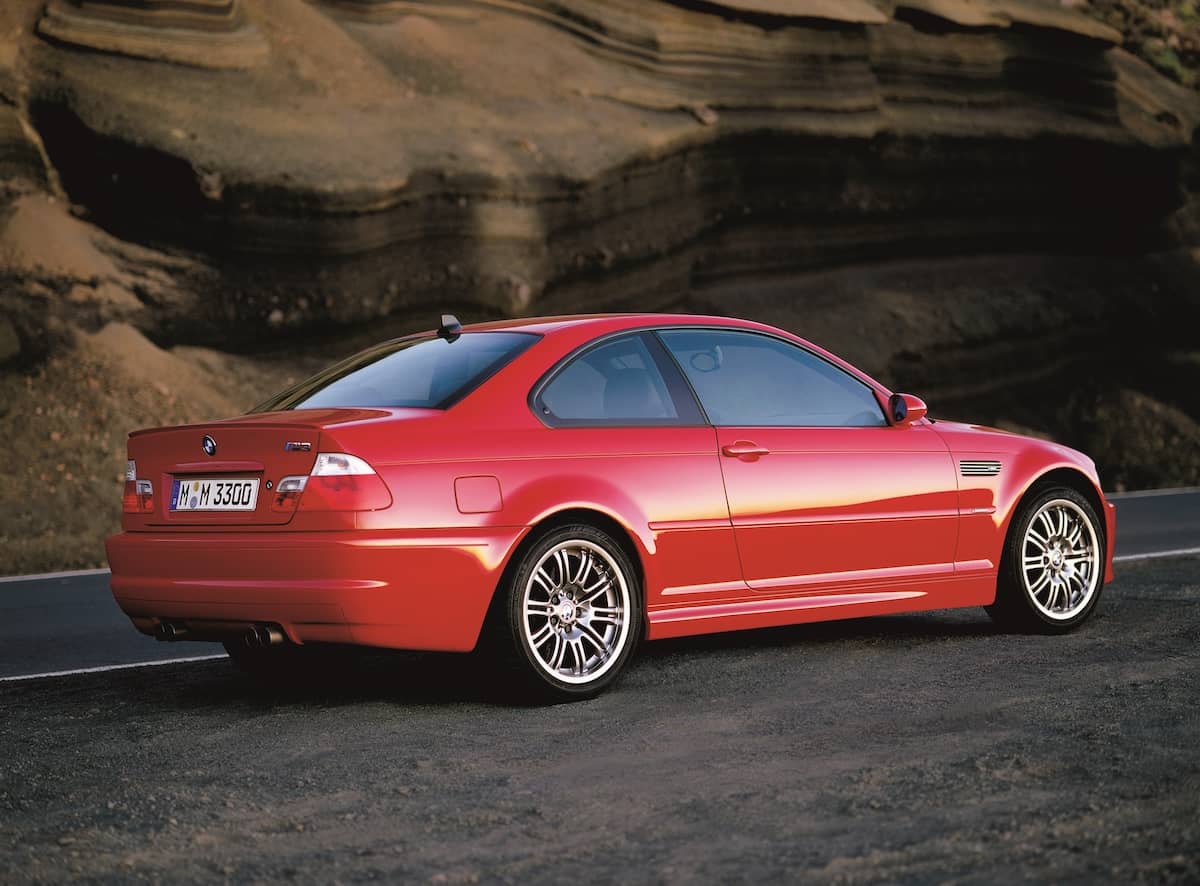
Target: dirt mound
[{"x": 65, "y": 425}]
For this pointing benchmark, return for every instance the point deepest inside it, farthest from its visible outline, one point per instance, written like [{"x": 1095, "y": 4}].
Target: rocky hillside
[{"x": 987, "y": 201}]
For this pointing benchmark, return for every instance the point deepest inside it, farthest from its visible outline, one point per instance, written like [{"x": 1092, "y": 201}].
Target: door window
[
  {"x": 615, "y": 383},
  {"x": 752, "y": 380}
]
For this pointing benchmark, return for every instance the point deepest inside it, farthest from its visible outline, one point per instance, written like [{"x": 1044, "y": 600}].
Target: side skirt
[{"x": 974, "y": 590}]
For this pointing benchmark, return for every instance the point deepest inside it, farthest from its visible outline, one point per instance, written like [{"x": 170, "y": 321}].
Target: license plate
[{"x": 214, "y": 494}]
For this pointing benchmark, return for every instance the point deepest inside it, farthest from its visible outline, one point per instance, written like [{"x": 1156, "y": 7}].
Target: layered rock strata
[
  {"x": 204, "y": 33},
  {"x": 987, "y": 201},
  {"x": 521, "y": 155}
]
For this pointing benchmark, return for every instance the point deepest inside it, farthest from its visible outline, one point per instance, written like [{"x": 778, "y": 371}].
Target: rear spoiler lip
[{"x": 350, "y": 415}]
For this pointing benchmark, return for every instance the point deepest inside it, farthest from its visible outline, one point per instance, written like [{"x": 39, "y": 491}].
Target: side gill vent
[{"x": 979, "y": 468}]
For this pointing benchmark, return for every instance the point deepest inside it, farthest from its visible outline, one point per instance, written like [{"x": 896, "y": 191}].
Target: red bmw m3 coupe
[{"x": 560, "y": 489}]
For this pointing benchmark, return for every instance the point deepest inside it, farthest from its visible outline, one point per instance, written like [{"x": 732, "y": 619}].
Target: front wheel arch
[
  {"x": 1010, "y": 607},
  {"x": 1072, "y": 479}
]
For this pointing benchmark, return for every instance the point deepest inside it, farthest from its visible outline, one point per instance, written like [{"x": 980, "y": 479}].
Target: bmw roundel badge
[{"x": 209, "y": 444}]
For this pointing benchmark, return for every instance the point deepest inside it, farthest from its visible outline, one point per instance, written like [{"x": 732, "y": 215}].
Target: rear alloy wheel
[
  {"x": 574, "y": 612},
  {"x": 1053, "y": 564}
]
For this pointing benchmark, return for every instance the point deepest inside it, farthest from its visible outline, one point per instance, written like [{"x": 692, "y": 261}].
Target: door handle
[{"x": 744, "y": 449}]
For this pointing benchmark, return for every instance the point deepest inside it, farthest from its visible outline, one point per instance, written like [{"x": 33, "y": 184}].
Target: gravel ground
[{"x": 901, "y": 749}]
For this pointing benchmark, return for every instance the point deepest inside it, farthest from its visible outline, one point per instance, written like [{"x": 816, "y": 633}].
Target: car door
[{"x": 823, "y": 493}]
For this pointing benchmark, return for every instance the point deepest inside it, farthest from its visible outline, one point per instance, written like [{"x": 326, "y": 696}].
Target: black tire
[
  {"x": 549, "y": 617},
  {"x": 1050, "y": 589}
]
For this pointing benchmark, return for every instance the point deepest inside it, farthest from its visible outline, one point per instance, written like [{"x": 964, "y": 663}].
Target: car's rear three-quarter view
[{"x": 557, "y": 490}]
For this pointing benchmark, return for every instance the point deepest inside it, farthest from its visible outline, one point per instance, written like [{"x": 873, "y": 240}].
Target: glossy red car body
[{"x": 828, "y": 523}]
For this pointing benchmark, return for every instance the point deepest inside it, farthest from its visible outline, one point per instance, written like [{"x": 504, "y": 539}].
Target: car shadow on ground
[
  {"x": 345, "y": 676},
  {"x": 916, "y": 628}
]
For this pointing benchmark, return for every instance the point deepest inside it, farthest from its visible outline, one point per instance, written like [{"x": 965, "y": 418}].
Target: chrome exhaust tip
[
  {"x": 268, "y": 635},
  {"x": 168, "y": 633},
  {"x": 263, "y": 636}
]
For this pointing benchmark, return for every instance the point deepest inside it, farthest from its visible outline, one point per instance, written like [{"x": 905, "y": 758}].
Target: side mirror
[{"x": 905, "y": 409}]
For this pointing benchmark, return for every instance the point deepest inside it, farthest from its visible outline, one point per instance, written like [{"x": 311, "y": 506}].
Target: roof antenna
[{"x": 450, "y": 329}]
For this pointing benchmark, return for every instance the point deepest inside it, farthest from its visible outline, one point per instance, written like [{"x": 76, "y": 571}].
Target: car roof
[
  {"x": 586, "y": 327},
  {"x": 601, "y": 323}
]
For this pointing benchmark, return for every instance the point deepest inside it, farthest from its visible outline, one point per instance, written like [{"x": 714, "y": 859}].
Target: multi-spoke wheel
[
  {"x": 574, "y": 611},
  {"x": 1053, "y": 564}
]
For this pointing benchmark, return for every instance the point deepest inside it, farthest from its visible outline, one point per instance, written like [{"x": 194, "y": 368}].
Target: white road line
[
  {"x": 1127, "y": 558},
  {"x": 1153, "y": 493},
  {"x": 48, "y": 576},
  {"x": 119, "y": 667},
  {"x": 1154, "y": 555}
]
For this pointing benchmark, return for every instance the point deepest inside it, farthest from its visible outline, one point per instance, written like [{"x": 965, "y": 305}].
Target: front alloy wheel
[
  {"x": 1060, "y": 560},
  {"x": 574, "y": 611},
  {"x": 1053, "y": 566}
]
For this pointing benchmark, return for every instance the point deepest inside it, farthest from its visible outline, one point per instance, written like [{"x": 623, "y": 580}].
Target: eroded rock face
[
  {"x": 987, "y": 201},
  {"x": 385, "y": 156},
  {"x": 204, "y": 33}
]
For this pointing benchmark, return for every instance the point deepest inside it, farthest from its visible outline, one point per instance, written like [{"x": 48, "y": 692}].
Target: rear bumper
[{"x": 414, "y": 590}]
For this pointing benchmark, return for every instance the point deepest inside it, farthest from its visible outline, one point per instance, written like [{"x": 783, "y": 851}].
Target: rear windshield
[{"x": 430, "y": 373}]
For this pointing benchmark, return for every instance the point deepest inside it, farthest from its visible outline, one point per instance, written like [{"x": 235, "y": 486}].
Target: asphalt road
[
  {"x": 918, "y": 748},
  {"x": 907, "y": 749},
  {"x": 71, "y": 622},
  {"x": 1157, "y": 520}
]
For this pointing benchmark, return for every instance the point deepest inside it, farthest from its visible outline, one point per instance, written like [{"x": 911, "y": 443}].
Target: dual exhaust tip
[
  {"x": 256, "y": 637},
  {"x": 262, "y": 636}
]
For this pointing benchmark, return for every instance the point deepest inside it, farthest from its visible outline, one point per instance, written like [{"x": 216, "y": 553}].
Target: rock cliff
[{"x": 936, "y": 187}]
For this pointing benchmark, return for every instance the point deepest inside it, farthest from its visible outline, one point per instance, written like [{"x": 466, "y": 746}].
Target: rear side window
[
  {"x": 751, "y": 380},
  {"x": 615, "y": 383},
  {"x": 430, "y": 373}
]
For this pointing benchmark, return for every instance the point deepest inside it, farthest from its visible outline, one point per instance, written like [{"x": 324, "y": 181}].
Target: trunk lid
[{"x": 216, "y": 474}]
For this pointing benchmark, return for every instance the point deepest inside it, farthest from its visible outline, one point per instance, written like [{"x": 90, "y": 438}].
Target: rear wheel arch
[
  {"x": 619, "y": 532},
  {"x": 606, "y": 522},
  {"x": 587, "y": 562}
]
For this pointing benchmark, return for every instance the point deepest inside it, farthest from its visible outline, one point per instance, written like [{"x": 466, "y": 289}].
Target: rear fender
[{"x": 537, "y": 502}]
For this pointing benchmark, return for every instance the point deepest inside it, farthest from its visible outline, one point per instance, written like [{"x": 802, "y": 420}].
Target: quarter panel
[{"x": 662, "y": 484}]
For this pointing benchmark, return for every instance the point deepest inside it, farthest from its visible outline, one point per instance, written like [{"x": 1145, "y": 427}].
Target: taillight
[
  {"x": 139, "y": 494},
  {"x": 341, "y": 482},
  {"x": 287, "y": 494}
]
